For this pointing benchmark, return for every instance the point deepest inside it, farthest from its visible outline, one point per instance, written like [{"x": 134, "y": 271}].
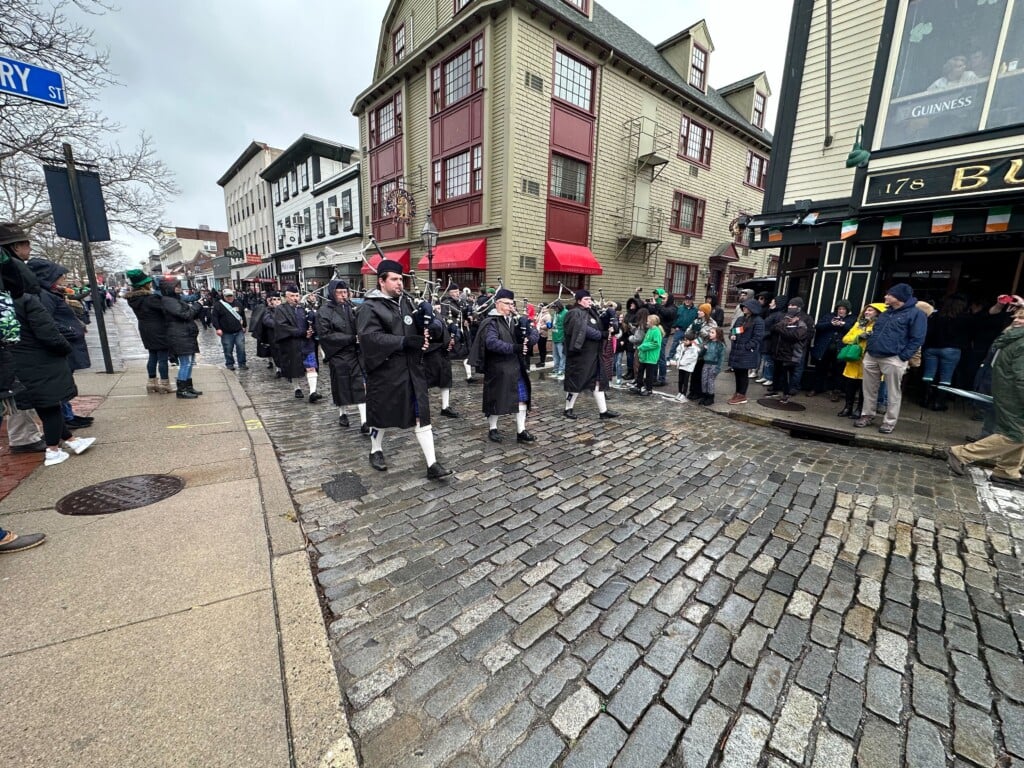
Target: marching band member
[
  {"x": 583, "y": 370},
  {"x": 336, "y": 328}
]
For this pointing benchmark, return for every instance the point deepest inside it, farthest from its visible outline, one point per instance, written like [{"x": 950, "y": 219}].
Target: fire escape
[{"x": 640, "y": 223}]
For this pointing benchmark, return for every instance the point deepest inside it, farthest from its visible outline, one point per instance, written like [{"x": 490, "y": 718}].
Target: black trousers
[{"x": 54, "y": 428}]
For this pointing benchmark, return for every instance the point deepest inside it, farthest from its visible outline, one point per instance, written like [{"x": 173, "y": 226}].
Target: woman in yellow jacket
[{"x": 853, "y": 373}]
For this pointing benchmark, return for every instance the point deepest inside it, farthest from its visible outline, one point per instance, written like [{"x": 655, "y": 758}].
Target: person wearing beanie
[
  {"x": 455, "y": 313},
  {"x": 828, "y": 339},
  {"x": 182, "y": 334},
  {"x": 336, "y": 329},
  {"x": 262, "y": 329},
  {"x": 149, "y": 314},
  {"x": 393, "y": 332},
  {"x": 899, "y": 332},
  {"x": 501, "y": 351},
  {"x": 294, "y": 333},
  {"x": 788, "y": 345},
  {"x": 583, "y": 369},
  {"x": 228, "y": 317}
]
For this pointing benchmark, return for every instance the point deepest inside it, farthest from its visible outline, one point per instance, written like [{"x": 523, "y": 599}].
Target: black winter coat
[
  {"x": 290, "y": 338},
  {"x": 437, "y": 362},
  {"x": 182, "y": 332},
  {"x": 223, "y": 320},
  {"x": 583, "y": 351},
  {"x": 396, "y": 385},
  {"x": 41, "y": 357},
  {"x": 498, "y": 351},
  {"x": 336, "y": 329},
  {"x": 747, "y": 334},
  {"x": 71, "y": 328},
  {"x": 789, "y": 339},
  {"x": 149, "y": 312}
]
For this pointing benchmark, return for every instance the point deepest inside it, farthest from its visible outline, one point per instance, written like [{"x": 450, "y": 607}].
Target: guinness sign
[{"x": 963, "y": 178}]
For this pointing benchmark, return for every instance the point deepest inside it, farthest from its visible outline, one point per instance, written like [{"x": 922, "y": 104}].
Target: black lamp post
[{"x": 429, "y": 235}]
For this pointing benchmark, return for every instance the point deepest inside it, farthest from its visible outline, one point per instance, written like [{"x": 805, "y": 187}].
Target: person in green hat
[{"x": 152, "y": 328}]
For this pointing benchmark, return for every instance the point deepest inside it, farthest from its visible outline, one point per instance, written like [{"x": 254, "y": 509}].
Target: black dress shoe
[
  {"x": 436, "y": 472},
  {"x": 343, "y": 420},
  {"x": 449, "y": 413},
  {"x": 608, "y": 415},
  {"x": 494, "y": 435},
  {"x": 569, "y": 414},
  {"x": 78, "y": 422},
  {"x": 845, "y": 413},
  {"x": 315, "y": 397},
  {"x": 525, "y": 437},
  {"x": 377, "y": 461},
  {"x": 364, "y": 429},
  {"x": 84, "y": 419},
  {"x": 471, "y": 381},
  {"x": 298, "y": 394},
  {"x": 37, "y": 447}
]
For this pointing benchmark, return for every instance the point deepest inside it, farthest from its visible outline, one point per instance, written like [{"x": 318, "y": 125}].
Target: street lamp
[{"x": 429, "y": 235}]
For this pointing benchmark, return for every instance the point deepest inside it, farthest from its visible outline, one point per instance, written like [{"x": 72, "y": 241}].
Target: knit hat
[
  {"x": 454, "y": 287},
  {"x": 294, "y": 288},
  {"x": 387, "y": 265},
  {"x": 901, "y": 292},
  {"x": 138, "y": 278},
  {"x": 706, "y": 309},
  {"x": 844, "y": 303},
  {"x": 504, "y": 293},
  {"x": 341, "y": 284},
  {"x": 796, "y": 301},
  {"x": 11, "y": 233}
]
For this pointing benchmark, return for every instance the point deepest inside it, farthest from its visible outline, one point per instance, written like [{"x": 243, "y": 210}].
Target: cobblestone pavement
[{"x": 669, "y": 588}]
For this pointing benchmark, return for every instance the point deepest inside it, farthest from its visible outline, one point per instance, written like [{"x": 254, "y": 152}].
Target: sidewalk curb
[{"x": 317, "y": 724}]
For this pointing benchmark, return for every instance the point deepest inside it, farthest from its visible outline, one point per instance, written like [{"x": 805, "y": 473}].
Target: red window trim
[
  {"x": 395, "y": 58},
  {"x": 437, "y": 71},
  {"x": 570, "y": 281},
  {"x": 703, "y": 87},
  {"x": 707, "y": 145},
  {"x": 698, "y": 214},
  {"x": 371, "y": 120},
  {"x": 443, "y": 181},
  {"x": 589, "y": 162},
  {"x": 764, "y": 171},
  {"x": 583, "y": 6},
  {"x": 691, "y": 285},
  {"x": 764, "y": 108},
  {"x": 593, "y": 81}
]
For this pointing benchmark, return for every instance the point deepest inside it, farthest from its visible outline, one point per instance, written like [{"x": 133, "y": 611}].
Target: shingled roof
[{"x": 631, "y": 45}]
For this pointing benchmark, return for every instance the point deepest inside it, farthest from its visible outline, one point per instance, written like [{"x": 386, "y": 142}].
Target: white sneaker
[
  {"x": 681, "y": 398},
  {"x": 767, "y": 383},
  {"x": 55, "y": 457},
  {"x": 79, "y": 445},
  {"x": 760, "y": 380},
  {"x": 750, "y": 374}
]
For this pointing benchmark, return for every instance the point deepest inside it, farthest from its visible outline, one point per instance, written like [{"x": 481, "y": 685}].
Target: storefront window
[{"x": 955, "y": 72}]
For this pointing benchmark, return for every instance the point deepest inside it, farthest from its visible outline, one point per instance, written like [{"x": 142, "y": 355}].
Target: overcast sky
[{"x": 206, "y": 77}]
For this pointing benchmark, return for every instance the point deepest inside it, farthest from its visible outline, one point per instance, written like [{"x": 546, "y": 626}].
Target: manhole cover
[
  {"x": 345, "y": 487},
  {"x": 119, "y": 495}
]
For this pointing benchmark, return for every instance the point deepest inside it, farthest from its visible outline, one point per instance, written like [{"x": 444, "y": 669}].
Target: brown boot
[
  {"x": 164, "y": 387},
  {"x": 152, "y": 387}
]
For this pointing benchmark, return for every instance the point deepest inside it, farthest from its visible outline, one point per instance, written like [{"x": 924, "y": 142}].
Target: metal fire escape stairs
[{"x": 640, "y": 223}]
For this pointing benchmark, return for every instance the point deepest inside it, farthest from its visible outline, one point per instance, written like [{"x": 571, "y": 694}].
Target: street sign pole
[{"x": 100, "y": 303}]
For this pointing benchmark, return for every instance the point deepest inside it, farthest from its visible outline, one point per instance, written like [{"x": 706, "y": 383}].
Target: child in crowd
[
  {"x": 687, "y": 354},
  {"x": 648, "y": 352},
  {"x": 714, "y": 355}
]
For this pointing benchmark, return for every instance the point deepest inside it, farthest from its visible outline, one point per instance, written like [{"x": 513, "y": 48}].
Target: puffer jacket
[
  {"x": 899, "y": 332},
  {"x": 746, "y": 334},
  {"x": 182, "y": 332},
  {"x": 40, "y": 358},
  {"x": 149, "y": 311},
  {"x": 54, "y": 299},
  {"x": 859, "y": 334}
]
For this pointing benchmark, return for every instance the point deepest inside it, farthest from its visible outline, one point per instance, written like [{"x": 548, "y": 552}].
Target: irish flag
[
  {"x": 891, "y": 226},
  {"x": 998, "y": 219},
  {"x": 774, "y": 235},
  {"x": 942, "y": 222},
  {"x": 848, "y": 230}
]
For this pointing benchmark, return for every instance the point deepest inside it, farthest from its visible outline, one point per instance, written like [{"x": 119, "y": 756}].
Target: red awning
[
  {"x": 573, "y": 259},
  {"x": 468, "y": 254},
  {"x": 402, "y": 257}
]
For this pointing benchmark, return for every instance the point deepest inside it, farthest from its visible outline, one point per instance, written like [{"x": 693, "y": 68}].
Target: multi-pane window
[
  {"x": 283, "y": 183},
  {"x": 695, "y": 141},
  {"x": 379, "y": 196},
  {"x": 569, "y": 281},
  {"x": 320, "y": 219},
  {"x": 458, "y": 175},
  {"x": 680, "y": 278},
  {"x": 698, "y": 67},
  {"x": 386, "y": 121},
  {"x": 460, "y": 4},
  {"x": 569, "y": 179},
  {"x": 277, "y": 192},
  {"x": 759, "y": 104},
  {"x": 307, "y": 224},
  {"x": 346, "y": 210},
  {"x": 332, "y": 219},
  {"x": 574, "y": 81},
  {"x": 398, "y": 43},
  {"x": 757, "y": 170},
  {"x": 304, "y": 174},
  {"x": 583, "y": 6},
  {"x": 687, "y": 214},
  {"x": 460, "y": 76},
  {"x": 478, "y": 168}
]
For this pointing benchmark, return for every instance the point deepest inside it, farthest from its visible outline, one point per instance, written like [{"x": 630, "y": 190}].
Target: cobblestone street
[{"x": 668, "y": 588}]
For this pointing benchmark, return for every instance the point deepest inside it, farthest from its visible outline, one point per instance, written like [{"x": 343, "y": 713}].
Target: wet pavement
[{"x": 669, "y": 588}]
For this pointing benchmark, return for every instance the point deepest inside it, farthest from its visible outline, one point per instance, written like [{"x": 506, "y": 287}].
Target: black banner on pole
[{"x": 62, "y": 204}]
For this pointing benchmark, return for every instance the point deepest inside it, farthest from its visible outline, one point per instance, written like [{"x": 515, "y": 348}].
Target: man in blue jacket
[{"x": 898, "y": 334}]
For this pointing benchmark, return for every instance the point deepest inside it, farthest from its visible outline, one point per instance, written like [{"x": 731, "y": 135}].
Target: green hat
[{"x": 138, "y": 278}]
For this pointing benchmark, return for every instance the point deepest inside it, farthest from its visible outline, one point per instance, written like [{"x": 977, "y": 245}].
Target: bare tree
[{"x": 135, "y": 181}]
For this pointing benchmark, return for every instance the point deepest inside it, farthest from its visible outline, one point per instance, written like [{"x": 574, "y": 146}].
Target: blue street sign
[{"x": 32, "y": 82}]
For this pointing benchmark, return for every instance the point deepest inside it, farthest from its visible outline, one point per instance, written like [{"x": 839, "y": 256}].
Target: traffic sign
[{"x": 32, "y": 82}]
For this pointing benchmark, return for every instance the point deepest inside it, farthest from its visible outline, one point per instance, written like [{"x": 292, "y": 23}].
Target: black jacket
[
  {"x": 336, "y": 329},
  {"x": 41, "y": 357},
  {"x": 583, "y": 337},
  {"x": 498, "y": 351},
  {"x": 223, "y": 320},
  {"x": 180, "y": 316},
  {"x": 290, "y": 338},
  {"x": 149, "y": 312},
  {"x": 70, "y": 327}
]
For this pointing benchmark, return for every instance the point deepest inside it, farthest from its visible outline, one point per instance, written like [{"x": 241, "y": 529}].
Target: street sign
[{"x": 32, "y": 82}]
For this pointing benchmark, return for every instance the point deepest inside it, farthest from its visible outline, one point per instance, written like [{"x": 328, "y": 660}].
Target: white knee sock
[
  {"x": 492, "y": 422},
  {"x": 521, "y": 418},
  {"x": 311, "y": 377},
  {"x": 570, "y": 400},
  {"x": 376, "y": 440},
  {"x": 469, "y": 369},
  {"x": 425, "y": 437},
  {"x": 341, "y": 411},
  {"x": 446, "y": 395},
  {"x": 602, "y": 404},
  {"x": 362, "y": 413}
]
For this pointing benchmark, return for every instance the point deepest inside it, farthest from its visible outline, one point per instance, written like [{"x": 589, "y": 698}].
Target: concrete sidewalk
[{"x": 187, "y": 632}]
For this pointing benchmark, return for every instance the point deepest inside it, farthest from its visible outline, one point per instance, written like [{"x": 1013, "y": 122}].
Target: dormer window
[
  {"x": 398, "y": 43},
  {"x": 583, "y": 6},
  {"x": 759, "y": 104},
  {"x": 699, "y": 68}
]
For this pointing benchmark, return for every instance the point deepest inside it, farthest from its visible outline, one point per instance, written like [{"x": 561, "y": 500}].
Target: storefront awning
[
  {"x": 468, "y": 254},
  {"x": 402, "y": 257},
  {"x": 572, "y": 259},
  {"x": 247, "y": 272}
]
